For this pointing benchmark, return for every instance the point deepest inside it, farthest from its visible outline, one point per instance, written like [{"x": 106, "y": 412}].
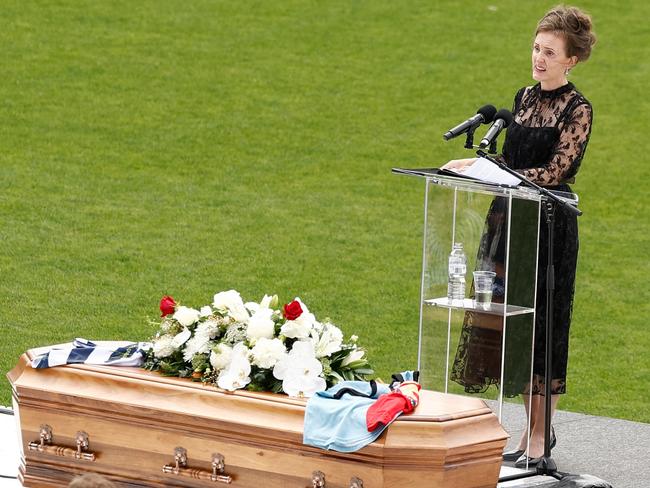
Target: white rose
[
  {"x": 205, "y": 311},
  {"x": 301, "y": 327},
  {"x": 260, "y": 325},
  {"x": 231, "y": 302},
  {"x": 186, "y": 316},
  {"x": 267, "y": 352},
  {"x": 220, "y": 356},
  {"x": 295, "y": 330},
  {"x": 164, "y": 346}
]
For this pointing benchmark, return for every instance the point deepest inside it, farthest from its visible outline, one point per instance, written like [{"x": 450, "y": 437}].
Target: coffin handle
[
  {"x": 318, "y": 479},
  {"x": 179, "y": 468},
  {"x": 45, "y": 446},
  {"x": 356, "y": 482}
]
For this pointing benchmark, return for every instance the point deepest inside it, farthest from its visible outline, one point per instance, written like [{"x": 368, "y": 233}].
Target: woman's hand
[{"x": 459, "y": 165}]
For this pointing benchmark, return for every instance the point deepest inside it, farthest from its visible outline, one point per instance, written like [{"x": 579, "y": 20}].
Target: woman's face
[{"x": 550, "y": 61}]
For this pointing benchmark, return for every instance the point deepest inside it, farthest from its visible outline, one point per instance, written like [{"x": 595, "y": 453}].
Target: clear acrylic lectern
[{"x": 484, "y": 350}]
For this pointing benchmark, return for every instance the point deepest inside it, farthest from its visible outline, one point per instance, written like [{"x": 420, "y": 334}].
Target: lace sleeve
[{"x": 568, "y": 152}]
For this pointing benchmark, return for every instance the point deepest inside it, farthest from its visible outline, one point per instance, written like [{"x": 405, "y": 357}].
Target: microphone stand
[
  {"x": 469, "y": 140},
  {"x": 547, "y": 465}
]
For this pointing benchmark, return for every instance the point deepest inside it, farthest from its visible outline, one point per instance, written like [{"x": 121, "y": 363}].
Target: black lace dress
[{"x": 546, "y": 143}]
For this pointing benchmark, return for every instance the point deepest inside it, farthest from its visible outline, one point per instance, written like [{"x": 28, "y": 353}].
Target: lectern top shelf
[{"x": 442, "y": 177}]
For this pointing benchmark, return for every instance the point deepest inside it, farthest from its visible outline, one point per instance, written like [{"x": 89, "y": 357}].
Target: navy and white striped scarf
[{"x": 82, "y": 351}]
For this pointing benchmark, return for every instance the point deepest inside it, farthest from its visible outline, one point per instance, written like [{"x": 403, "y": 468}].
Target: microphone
[
  {"x": 502, "y": 119},
  {"x": 484, "y": 115}
]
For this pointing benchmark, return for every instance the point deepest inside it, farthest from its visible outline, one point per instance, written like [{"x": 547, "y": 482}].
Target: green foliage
[{"x": 159, "y": 147}]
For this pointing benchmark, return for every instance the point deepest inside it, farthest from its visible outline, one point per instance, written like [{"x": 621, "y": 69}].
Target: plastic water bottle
[{"x": 457, "y": 270}]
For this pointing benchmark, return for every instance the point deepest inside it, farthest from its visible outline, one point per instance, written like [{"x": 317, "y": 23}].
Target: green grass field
[{"x": 184, "y": 148}]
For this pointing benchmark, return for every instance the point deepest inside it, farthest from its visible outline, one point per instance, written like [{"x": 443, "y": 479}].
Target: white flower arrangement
[{"x": 255, "y": 346}]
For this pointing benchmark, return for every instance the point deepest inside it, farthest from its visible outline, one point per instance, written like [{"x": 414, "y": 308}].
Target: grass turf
[{"x": 186, "y": 148}]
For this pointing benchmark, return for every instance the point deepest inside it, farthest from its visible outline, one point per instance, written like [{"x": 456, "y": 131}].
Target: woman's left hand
[{"x": 459, "y": 165}]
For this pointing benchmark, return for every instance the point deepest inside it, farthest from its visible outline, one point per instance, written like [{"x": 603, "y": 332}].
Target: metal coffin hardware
[
  {"x": 318, "y": 481},
  {"x": 45, "y": 446},
  {"x": 180, "y": 468},
  {"x": 356, "y": 482}
]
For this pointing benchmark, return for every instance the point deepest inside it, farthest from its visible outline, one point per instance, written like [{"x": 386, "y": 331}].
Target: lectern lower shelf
[{"x": 488, "y": 308}]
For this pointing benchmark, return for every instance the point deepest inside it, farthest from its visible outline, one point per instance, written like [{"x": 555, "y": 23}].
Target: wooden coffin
[{"x": 135, "y": 420}]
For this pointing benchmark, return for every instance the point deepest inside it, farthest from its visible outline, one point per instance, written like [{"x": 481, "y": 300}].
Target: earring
[{"x": 566, "y": 72}]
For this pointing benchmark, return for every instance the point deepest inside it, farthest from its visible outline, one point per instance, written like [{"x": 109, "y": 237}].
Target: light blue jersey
[{"x": 336, "y": 419}]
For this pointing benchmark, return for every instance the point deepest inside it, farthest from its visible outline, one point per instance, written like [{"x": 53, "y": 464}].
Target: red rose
[
  {"x": 167, "y": 305},
  {"x": 292, "y": 310}
]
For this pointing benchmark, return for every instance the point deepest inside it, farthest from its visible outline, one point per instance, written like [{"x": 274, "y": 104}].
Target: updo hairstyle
[{"x": 574, "y": 26}]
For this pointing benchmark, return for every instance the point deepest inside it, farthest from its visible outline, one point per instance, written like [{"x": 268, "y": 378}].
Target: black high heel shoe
[
  {"x": 525, "y": 461},
  {"x": 515, "y": 455}
]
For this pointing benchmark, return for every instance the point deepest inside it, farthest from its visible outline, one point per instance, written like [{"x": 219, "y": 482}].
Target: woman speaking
[{"x": 546, "y": 143}]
